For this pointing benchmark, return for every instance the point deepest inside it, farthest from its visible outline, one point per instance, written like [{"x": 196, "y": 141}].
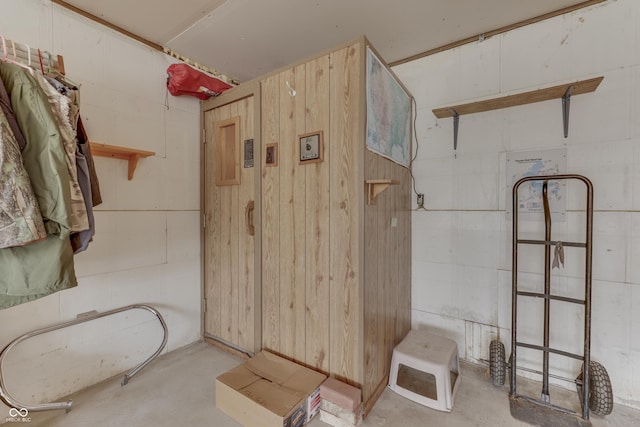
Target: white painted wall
[
  {"x": 462, "y": 243},
  {"x": 147, "y": 244}
]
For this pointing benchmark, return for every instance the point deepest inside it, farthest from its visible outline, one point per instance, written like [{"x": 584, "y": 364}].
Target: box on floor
[{"x": 270, "y": 391}]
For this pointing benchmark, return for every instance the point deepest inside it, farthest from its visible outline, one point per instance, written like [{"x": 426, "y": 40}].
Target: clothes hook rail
[
  {"x": 23, "y": 53},
  {"x": 6, "y": 397}
]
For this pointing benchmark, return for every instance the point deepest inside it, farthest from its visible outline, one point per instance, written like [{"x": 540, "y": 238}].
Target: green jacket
[
  {"x": 20, "y": 219},
  {"x": 44, "y": 267}
]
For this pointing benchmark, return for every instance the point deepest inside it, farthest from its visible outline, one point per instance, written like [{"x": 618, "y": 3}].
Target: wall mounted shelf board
[
  {"x": 123, "y": 153},
  {"x": 563, "y": 91}
]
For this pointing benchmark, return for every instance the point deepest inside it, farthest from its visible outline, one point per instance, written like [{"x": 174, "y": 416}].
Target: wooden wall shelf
[
  {"x": 377, "y": 186},
  {"x": 538, "y": 95},
  {"x": 123, "y": 153},
  {"x": 563, "y": 91}
]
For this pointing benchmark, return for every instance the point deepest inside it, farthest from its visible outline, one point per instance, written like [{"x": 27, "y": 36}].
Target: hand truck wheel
[
  {"x": 497, "y": 365},
  {"x": 600, "y": 391}
]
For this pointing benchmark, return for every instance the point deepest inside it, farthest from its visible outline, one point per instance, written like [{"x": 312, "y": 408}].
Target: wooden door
[{"x": 231, "y": 286}]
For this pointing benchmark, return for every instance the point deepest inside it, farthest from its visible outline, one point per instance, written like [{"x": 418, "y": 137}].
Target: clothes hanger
[
  {"x": 30, "y": 68},
  {"x": 54, "y": 73},
  {"x": 28, "y": 55},
  {"x": 65, "y": 80},
  {"x": 48, "y": 61},
  {"x": 5, "y": 55},
  {"x": 40, "y": 59},
  {"x": 4, "y": 48}
]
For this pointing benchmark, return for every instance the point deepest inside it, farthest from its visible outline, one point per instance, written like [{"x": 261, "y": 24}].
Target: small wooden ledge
[
  {"x": 129, "y": 154},
  {"x": 377, "y": 186},
  {"x": 554, "y": 92}
]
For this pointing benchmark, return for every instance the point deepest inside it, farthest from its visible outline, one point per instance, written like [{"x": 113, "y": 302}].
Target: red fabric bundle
[{"x": 185, "y": 80}]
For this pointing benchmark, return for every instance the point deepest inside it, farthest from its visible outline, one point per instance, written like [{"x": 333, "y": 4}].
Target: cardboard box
[
  {"x": 270, "y": 391},
  {"x": 313, "y": 404}
]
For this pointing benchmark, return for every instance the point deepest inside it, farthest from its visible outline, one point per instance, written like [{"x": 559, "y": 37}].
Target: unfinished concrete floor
[{"x": 178, "y": 389}]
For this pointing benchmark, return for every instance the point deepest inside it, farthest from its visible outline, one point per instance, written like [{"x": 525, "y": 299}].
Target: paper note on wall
[{"x": 536, "y": 163}]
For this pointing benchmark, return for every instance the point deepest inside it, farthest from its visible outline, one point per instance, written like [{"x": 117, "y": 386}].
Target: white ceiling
[{"x": 248, "y": 38}]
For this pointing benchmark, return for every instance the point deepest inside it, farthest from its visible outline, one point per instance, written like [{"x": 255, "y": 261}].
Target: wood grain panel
[
  {"x": 292, "y": 216},
  {"x": 234, "y": 228},
  {"x": 317, "y": 223},
  {"x": 388, "y": 262},
  {"x": 347, "y": 196},
  {"x": 388, "y": 258},
  {"x": 299, "y": 217},
  {"x": 211, "y": 231},
  {"x": 384, "y": 263},
  {"x": 225, "y": 252},
  {"x": 246, "y": 273},
  {"x": 391, "y": 259},
  {"x": 227, "y": 153},
  {"x": 270, "y": 221},
  {"x": 257, "y": 220},
  {"x": 371, "y": 303},
  {"x": 405, "y": 244}
]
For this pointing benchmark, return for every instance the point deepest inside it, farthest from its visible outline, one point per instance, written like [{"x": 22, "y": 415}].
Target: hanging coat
[
  {"x": 60, "y": 107},
  {"x": 85, "y": 149},
  {"x": 5, "y": 105},
  {"x": 80, "y": 239},
  {"x": 20, "y": 219},
  {"x": 43, "y": 267}
]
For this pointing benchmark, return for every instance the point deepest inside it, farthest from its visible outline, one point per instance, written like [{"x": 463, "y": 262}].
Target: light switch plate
[{"x": 271, "y": 158}]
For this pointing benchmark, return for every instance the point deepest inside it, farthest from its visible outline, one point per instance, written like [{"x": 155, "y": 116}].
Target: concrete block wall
[
  {"x": 147, "y": 243},
  {"x": 462, "y": 242}
]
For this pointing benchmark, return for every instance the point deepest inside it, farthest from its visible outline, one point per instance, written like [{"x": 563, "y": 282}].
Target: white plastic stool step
[{"x": 425, "y": 369}]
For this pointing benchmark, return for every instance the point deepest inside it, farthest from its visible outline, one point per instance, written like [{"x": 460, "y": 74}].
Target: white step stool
[{"x": 425, "y": 369}]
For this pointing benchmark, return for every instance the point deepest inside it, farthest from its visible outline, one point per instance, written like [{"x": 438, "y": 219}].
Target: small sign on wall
[
  {"x": 311, "y": 147},
  {"x": 534, "y": 163},
  {"x": 248, "y": 153}
]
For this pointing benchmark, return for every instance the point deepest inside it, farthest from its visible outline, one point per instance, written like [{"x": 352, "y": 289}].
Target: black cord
[{"x": 415, "y": 138}]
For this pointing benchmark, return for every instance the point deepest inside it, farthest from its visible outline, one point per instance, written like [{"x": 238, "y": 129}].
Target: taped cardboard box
[{"x": 270, "y": 391}]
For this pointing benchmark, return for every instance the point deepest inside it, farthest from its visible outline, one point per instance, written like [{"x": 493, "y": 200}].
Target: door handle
[{"x": 248, "y": 214}]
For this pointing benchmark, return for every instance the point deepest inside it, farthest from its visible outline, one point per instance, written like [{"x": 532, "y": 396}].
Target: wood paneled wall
[
  {"x": 346, "y": 213},
  {"x": 336, "y": 276},
  {"x": 295, "y": 212},
  {"x": 387, "y": 288}
]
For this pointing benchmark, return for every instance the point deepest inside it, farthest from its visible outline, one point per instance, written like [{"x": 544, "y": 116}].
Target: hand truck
[{"x": 593, "y": 384}]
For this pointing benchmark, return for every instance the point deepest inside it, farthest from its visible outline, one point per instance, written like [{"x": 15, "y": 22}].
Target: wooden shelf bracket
[
  {"x": 131, "y": 155},
  {"x": 563, "y": 91},
  {"x": 377, "y": 186}
]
